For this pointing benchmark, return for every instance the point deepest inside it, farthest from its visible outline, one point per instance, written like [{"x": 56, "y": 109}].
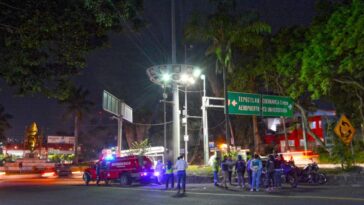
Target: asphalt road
[{"x": 72, "y": 191}]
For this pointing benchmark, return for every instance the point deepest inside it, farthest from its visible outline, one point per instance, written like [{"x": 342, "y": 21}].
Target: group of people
[
  {"x": 253, "y": 167},
  {"x": 180, "y": 167}
]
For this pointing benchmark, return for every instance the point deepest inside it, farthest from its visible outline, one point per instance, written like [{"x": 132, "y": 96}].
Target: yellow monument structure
[
  {"x": 32, "y": 138},
  {"x": 31, "y": 162}
]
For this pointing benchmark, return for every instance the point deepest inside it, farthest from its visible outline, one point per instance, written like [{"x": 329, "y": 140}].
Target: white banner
[{"x": 60, "y": 140}]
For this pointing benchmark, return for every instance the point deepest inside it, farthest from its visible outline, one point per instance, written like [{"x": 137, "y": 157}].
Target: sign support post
[
  {"x": 120, "y": 111},
  {"x": 120, "y": 134}
]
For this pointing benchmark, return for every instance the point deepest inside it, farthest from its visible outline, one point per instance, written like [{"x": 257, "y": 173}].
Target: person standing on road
[
  {"x": 224, "y": 172},
  {"x": 159, "y": 169},
  {"x": 277, "y": 172},
  {"x": 181, "y": 166},
  {"x": 215, "y": 169},
  {"x": 249, "y": 171},
  {"x": 240, "y": 171},
  {"x": 169, "y": 174},
  {"x": 230, "y": 163},
  {"x": 256, "y": 167},
  {"x": 98, "y": 172},
  {"x": 20, "y": 167},
  {"x": 270, "y": 172}
]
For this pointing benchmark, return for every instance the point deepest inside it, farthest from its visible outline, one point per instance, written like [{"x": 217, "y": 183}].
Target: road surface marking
[{"x": 242, "y": 195}]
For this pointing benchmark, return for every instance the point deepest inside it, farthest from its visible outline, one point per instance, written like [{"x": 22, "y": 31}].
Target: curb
[
  {"x": 345, "y": 179},
  {"x": 199, "y": 179}
]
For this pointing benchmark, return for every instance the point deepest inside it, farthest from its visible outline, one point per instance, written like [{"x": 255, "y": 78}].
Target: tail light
[{"x": 143, "y": 174}]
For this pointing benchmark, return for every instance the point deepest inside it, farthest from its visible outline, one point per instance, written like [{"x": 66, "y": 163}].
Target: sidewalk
[
  {"x": 333, "y": 166},
  {"x": 332, "y": 179}
]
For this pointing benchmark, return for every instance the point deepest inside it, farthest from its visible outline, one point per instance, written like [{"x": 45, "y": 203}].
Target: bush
[
  {"x": 359, "y": 157},
  {"x": 342, "y": 154},
  {"x": 199, "y": 170},
  {"x": 325, "y": 158},
  {"x": 58, "y": 158}
]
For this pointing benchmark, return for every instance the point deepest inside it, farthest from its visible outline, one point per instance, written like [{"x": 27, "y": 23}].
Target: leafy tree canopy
[
  {"x": 323, "y": 61},
  {"x": 335, "y": 52},
  {"x": 4, "y": 123},
  {"x": 43, "y": 43}
]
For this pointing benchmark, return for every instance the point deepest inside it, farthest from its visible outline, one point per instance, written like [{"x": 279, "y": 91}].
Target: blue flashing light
[{"x": 109, "y": 157}]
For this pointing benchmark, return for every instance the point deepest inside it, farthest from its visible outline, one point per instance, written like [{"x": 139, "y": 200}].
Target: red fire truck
[{"x": 124, "y": 170}]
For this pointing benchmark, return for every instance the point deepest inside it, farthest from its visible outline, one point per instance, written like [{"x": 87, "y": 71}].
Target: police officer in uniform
[
  {"x": 215, "y": 169},
  {"x": 169, "y": 174}
]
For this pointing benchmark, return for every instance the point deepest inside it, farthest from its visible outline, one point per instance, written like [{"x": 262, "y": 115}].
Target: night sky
[{"x": 121, "y": 68}]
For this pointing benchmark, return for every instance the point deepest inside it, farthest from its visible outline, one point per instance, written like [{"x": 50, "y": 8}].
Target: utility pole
[
  {"x": 165, "y": 120},
  {"x": 227, "y": 133}
]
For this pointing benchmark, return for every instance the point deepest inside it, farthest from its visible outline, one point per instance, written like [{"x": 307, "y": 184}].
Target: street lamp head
[
  {"x": 184, "y": 78},
  {"x": 197, "y": 72},
  {"x": 191, "y": 80},
  {"x": 166, "y": 77},
  {"x": 203, "y": 77}
]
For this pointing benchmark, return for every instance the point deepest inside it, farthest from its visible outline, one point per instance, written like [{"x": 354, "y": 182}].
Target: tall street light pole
[
  {"x": 186, "y": 125},
  {"x": 173, "y": 31},
  {"x": 176, "y": 123},
  {"x": 182, "y": 76},
  {"x": 176, "y": 112},
  {"x": 205, "y": 124},
  {"x": 156, "y": 73},
  {"x": 165, "y": 120}
]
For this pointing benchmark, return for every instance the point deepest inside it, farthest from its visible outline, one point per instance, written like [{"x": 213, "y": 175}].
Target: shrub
[
  {"x": 199, "y": 170},
  {"x": 342, "y": 154}
]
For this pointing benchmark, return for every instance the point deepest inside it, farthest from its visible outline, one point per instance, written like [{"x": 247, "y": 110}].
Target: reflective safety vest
[
  {"x": 215, "y": 166},
  {"x": 169, "y": 171}
]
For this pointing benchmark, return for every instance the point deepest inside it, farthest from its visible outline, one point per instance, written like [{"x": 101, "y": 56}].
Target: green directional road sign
[
  {"x": 277, "y": 106},
  {"x": 243, "y": 103},
  {"x": 110, "y": 103},
  {"x": 261, "y": 105}
]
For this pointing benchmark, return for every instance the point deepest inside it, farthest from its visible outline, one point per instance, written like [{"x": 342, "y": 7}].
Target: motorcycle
[
  {"x": 289, "y": 174},
  {"x": 310, "y": 174}
]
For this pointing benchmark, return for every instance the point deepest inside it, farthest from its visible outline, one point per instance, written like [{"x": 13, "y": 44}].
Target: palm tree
[
  {"x": 77, "y": 106},
  {"x": 4, "y": 123},
  {"x": 227, "y": 31}
]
